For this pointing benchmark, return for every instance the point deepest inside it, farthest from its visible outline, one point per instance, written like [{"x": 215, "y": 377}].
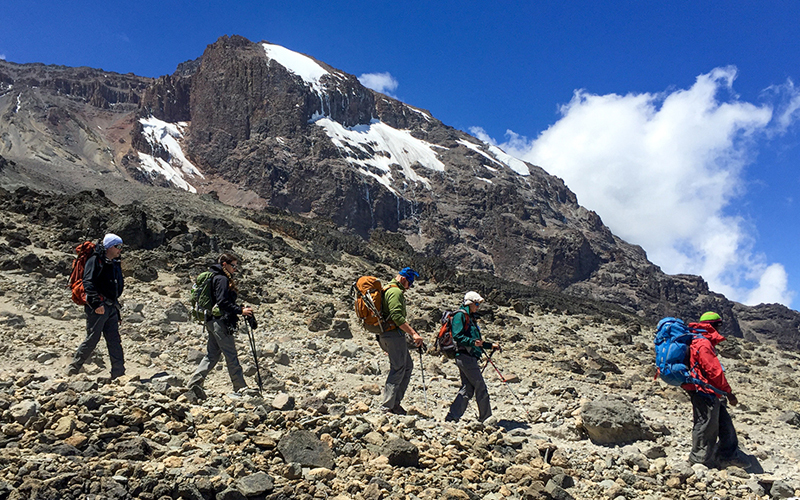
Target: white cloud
[
  {"x": 2, "y": 57},
  {"x": 384, "y": 83},
  {"x": 788, "y": 109},
  {"x": 661, "y": 169}
]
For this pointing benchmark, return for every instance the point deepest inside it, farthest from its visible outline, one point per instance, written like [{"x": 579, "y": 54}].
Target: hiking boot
[
  {"x": 72, "y": 370},
  {"x": 449, "y": 418},
  {"x": 393, "y": 411},
  {"x": 735, "y": 461}
]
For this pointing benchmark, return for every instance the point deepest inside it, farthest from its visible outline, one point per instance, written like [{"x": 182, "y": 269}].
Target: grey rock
[
  {"x": 133, "y": 449},
  {"x": 305, "y": 448},
  {"x": 255, "y": 484},
  {"x": 283, "y": 402},
  {"x": 611, "y": 420},
  {"x": 556, "y": 492},
  {"x": 349, "y": 349},
  {"x": 25, "y": 411},
  {"x": 230, "y": 494},
  {"x": 790, "y": 417},
  {"x": 401, "y": 453},
  {"x": 134, "y": 318},
  {"x": 293, "y": 471},
  {"x": 282, "y": 359},
  {"x": 340, "y": 330},
  {"x": 177, "y": 312},
  {"x": 781, "y": 489}
]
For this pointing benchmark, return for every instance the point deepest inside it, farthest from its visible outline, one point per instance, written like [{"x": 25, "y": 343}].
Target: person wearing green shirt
[
  {"x": 467, "y": 335},
  {"x": 393, "y": 340}
]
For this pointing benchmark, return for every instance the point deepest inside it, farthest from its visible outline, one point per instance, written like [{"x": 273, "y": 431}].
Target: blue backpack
[{"x": 672, "y": 342}]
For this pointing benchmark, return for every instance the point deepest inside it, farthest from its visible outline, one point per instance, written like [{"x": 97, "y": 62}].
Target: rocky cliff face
[{"x": 253, "y": 120}]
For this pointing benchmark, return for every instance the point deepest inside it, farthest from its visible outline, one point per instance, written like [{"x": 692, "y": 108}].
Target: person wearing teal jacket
[
  {"x": 471, "y": 347},
  {"x": 393, "y": 340}
]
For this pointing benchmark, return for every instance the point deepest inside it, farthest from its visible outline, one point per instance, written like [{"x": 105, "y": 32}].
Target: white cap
[
  {"x": 472, "y": 298},
  {"x": 110, "y": 240}
]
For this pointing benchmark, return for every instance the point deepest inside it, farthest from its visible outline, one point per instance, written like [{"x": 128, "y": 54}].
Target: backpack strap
[{"x": 386, "y": 323}]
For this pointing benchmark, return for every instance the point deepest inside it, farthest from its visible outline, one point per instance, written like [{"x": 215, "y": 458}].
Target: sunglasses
[{"x": 118, "y": 246}]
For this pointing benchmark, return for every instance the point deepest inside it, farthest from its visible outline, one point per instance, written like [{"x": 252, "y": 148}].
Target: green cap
[{"x": 710, "y": 317}]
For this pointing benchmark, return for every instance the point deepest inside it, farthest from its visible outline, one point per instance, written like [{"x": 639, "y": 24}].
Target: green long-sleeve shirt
[{"x": 394, "y": 303}]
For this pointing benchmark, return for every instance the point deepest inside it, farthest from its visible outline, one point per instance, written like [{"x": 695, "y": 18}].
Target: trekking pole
[
  {"x": 424, "y": 388},
  {"x": 489, "y": 358},
  {"x": 252, "y": 339}
]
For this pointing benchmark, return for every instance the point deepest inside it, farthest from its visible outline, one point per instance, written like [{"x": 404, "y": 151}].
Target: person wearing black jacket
[
  {"x": 221, "y": 328},
  {"x": 103, "y": 284}
]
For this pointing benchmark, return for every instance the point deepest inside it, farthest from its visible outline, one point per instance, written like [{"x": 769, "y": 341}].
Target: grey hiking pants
[
  {"x": 472, "y": 383},
  {"x": 107, "y": 325},
  {"x": 400, "y": 367},
  {"x": 711, "y": 422},
  {"x": 221, "y": 342}
]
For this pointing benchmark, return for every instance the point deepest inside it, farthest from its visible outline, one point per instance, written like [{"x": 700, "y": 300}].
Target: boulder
[
  {"x": 612, "y": 420},
  {"x": 305, "y": 448},
  {"x": 401, "y": 453}
]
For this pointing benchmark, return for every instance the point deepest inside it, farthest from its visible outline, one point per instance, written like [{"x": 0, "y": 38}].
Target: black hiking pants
[
  {"x": 713, "y": 436},
  {"x": 107, "y": 325}
]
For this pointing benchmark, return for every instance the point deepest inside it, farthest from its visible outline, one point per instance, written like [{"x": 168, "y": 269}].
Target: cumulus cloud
[
  {"x": 384, "y": 83},
  {"x": 662, "y": 171},
  {"x": 2, "y": 57}
]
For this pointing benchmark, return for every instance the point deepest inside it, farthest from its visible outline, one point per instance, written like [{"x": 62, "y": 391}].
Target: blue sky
[{"x": 676, "y": 121}]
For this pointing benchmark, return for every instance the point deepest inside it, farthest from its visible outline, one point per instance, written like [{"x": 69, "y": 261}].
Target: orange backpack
[
  {"x": 368, "y": 294},
  {"x": 84, "y": 251}
]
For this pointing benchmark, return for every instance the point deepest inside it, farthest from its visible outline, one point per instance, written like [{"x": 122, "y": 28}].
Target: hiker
[
  {"x": 471, "y": 347},
  {"x": 221, "y": 329},
  {"x": 714, "y": 440},
  {"x": 393, "y": 340},
  {"x": 103, "y": 284}
]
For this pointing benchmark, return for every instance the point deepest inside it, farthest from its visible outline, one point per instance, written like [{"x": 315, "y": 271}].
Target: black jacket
[
  {"x": 102, "y": 279},
  {"x": 224, "y": 297}
]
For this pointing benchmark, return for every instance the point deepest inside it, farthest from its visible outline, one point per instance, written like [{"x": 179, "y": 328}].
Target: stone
[
  {"x": 781, "y": 489},
  {"x": 133, "y": 449},
  {"x": 556, "y": 492},
  {"x": 283, "y": 402},
  {"x": 64, "y": 427},
  {"x": 13, "y": 429},
  {"x": 256, "y": 484},
  {"x": 349, "y": 349},
  {"x": 25, "y": 411},
  {"x": 613, "y": 420},
  {"x": 177, "y": 312},
  {"x": 340, "y": 330},
  {"x": 401, "y": 453},
  {"x": 305, "y": 448}
]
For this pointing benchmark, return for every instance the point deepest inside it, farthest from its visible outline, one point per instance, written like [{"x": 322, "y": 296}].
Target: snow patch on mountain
[
  {"x": 511, "y": 162},
  {"x": 478, "y": 150},
  {"x": 162, "y": 135},
  {"x": 375, "y": 147}
]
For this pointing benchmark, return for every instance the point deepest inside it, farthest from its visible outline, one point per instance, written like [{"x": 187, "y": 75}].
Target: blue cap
[{"x": 409, "y": 274}]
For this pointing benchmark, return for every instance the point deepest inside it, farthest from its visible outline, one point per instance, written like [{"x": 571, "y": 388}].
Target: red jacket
[{"x": 703, "y": 360}]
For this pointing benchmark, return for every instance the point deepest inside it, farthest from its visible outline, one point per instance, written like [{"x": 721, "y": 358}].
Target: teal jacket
[{"x": 466, "y": 337}]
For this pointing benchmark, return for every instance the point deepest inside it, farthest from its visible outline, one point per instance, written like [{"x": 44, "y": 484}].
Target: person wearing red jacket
[{"x": 714, "y": 440}]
